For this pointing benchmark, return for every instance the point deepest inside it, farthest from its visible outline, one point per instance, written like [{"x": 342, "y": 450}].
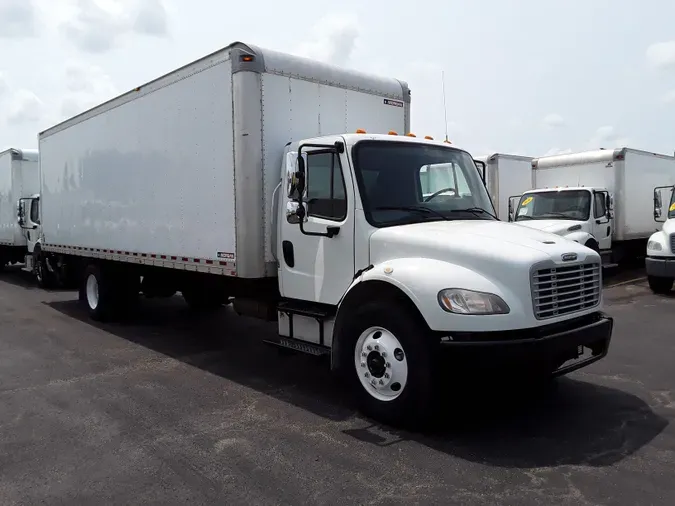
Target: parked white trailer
[
  {"x": 233, "y": 178},
  {"x": 601, "y": 198},
  {"x": 505, "y": 176},
  {"x": 19, "y": 179}
]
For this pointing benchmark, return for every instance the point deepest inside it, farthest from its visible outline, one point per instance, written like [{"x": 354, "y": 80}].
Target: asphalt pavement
[{"x": 167, "y": 409}]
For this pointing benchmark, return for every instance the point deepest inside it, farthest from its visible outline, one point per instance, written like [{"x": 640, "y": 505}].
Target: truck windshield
[
  {"x": 404, "y": 182},
  {"x": 555, "y": 205}
]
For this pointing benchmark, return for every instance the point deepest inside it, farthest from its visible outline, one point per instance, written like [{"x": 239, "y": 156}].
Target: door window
[
  {"x": 600, "y": 209},
  {"x": 326, "y": 196}
]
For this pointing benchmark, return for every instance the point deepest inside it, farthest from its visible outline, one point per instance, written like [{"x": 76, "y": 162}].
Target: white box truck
[
  {"x": 505, "y": 176},
  {"x": 660, "y": 259},
  {"x": 602, "y": 199},
  {"x": 232, "y": 179},
  {"x": 19, "y": 179}
]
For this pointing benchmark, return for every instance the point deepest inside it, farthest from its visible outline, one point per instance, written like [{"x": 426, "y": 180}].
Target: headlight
[
  {"x": 654, "y": 246},
  {"x": 456, "y": 300}
]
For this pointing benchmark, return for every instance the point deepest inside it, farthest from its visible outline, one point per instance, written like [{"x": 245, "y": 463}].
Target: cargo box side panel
[
  {"x": 514, "y": 177},
  {"x": 641, "y": 174},
  {"x": 151, "y": 176},
  {"x": 295, "y": 109},
  {"x": 8, "y": 223}
]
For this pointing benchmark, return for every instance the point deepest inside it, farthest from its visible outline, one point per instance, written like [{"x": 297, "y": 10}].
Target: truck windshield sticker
[
  {"x": 522, "y": 211},
  {"x": 527, "y": 201},
  {"x": 672, "y": 207},
  {"x": 395, "y": 103}
]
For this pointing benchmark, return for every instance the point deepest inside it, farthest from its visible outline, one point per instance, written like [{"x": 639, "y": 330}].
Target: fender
[
  {"x": 420, "y": 279},
  {"x": 579, "y": 236}
]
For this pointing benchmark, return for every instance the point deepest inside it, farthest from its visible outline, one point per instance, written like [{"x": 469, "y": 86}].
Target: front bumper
[
  {"x": 529, "y": 348},
  {"x": 660, "y": 267}
]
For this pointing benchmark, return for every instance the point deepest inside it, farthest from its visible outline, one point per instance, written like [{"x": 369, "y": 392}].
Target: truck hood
[
  {"x": 558, "y": 227},
  {"x": 476, "y": 244}
]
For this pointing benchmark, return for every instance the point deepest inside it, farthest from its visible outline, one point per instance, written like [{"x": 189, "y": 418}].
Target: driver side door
[
  {"x": 601, "y": 221},
  {"x": 315, "y": 268}
]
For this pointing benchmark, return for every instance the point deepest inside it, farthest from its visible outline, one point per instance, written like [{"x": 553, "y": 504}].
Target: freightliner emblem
[{"x": 568, "y": 257}]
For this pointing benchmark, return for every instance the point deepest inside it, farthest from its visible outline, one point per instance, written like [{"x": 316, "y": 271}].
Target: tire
[
  {"x": 660, "y": 285},
  {"x": 44, "y": 278},
  {"x": 96, "y": 294},
  {"x": 375, "y": 337}
]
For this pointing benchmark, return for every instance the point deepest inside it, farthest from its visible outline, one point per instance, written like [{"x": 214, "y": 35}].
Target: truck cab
[
  {"x": 28, "y": 213},
  {"x": 660, "y": 259},
  {"x": 389, "y": 253},
  {"x": 581, "y": 214}
]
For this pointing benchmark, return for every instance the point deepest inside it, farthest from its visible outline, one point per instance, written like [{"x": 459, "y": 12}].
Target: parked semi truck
[
  {"x": 660, "y": 260},
  {"x": 505, "y": 176},
  {"x": 233, "y": 180},
  {"x": 601, "y": 198},
  {"x": 19, "y": 179}
]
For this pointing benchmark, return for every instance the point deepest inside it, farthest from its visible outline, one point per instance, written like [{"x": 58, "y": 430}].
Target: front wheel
[
  {"x": 660, "y": 285},
  {"x": 392, "y": 368}
]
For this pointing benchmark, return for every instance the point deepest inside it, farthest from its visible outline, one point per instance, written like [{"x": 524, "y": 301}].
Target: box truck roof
[
  {"x": 27, "y": 155},
  {"x": 255, "y": 59},
  {"x": 588, "y": 157}
]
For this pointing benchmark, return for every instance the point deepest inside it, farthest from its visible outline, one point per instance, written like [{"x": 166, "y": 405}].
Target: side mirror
[
  {"x": 293, "y": 166},
  {"x": 661, "y": 194},
  {"x": 480, "y": 166},
  {"x": 513, "y": 204}
]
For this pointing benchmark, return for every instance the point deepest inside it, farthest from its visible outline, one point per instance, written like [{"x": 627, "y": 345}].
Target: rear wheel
[
  {"x": 392, "y": 369},
  {"x": 660, "y": 285}
]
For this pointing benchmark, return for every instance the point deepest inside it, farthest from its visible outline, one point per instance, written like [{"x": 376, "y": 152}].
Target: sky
[{"x": 521, "y": 77}]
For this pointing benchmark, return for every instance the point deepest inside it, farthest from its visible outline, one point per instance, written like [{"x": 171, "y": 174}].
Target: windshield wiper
[
  {"x": 477, "y": 211},
  {"x": 418, "y": 209}
]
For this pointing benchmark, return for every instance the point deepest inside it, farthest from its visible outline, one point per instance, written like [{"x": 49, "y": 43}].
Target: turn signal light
[
  {"x": 429, "y": 137},
  {"x": 410, "y": 134},
  {"x": 391, "y": 132},
  {"x": 360, "y": 131}
]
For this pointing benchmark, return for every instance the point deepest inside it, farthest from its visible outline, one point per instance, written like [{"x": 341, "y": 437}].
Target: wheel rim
[
  {"x": 381, "y": 364},
  {"x": 92, "y": 291},
  {"x": 38, "y": 269}
]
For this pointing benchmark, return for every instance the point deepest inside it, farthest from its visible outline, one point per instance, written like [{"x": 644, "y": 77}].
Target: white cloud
[
  {"x": 661, "y": 55},
  {"x": 332, "y": 39},
  {"x": 4, "y": 85},
  {"x": 607, "y": 137},
  {"x": 553, "y": 120},
  {"x": 25, "y": 107},
  {"x": 17, "y": 18},
  {"x": 558, "y": 151},
  {"x": 669, "y": 97},
  {"x": 97, "y": 26},
  {"x": 87, "y": 85}
]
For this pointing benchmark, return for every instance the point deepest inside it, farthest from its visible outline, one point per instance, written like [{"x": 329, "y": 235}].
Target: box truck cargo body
[
  {"x": 19, "y": 178},
  {"x": 505, "y": 176},
  {"x": 285, "y": 186},
  {"x": 601, "y": 198}
]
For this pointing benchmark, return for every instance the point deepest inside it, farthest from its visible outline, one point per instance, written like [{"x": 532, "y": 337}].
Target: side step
[
  {"x": 299, "y": 346},
  {"x": 311, "y": 311}
]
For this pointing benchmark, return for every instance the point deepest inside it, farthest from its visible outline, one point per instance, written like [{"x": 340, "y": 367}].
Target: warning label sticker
[
  {"x": 225, "y": 255},
  {"x": 395, "y": 103}
]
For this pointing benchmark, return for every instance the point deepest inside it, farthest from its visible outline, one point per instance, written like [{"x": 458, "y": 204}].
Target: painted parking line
[{"x": 627, "y": 282}]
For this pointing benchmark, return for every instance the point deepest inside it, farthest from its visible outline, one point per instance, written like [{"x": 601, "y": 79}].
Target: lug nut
[
  {"x": 367, "y": 375},
  {"x": 381, "y": 382},
  {"x": 386, "y": 375},
  {"x": 388, "y": 364},
  {"x": 364, "y": 354},
  {"x": 363, "y": 364},
  {"x": 377, "y": 346},
  {"x": 373, "y": 382},
  {"x": 384, "y": 354},
  {"x": 369, "y": 348}
]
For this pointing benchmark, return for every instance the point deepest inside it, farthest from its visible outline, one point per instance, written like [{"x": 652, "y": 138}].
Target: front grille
[
  {"x": 672, "y": 243},
  {"x": 558, "y": 291}
]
